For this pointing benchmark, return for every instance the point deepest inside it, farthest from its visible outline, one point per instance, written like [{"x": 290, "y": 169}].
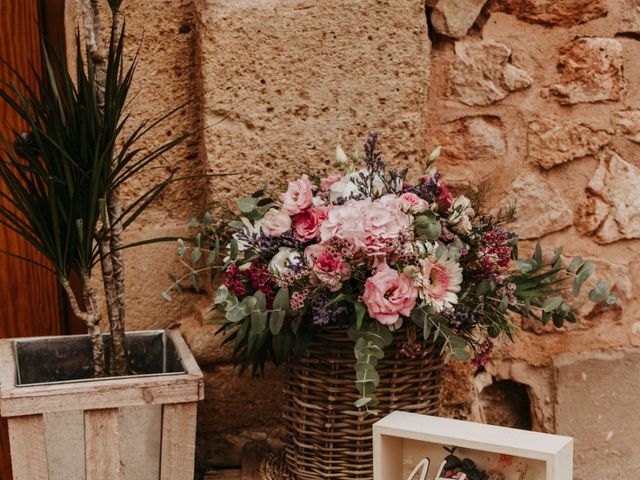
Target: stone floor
[
  {"x": 252, "y": 455},
  {"x": 227, "y": 474}
]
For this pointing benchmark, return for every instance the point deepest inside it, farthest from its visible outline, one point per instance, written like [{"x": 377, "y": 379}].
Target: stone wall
[{"x": 539, "y": 97}]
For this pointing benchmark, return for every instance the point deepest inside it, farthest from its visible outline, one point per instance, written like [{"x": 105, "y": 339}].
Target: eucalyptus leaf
[
  {"x": 281, "y": 300},
  {"x": 258, "y": 321},
  {"x": 574, "y": 264},
  {"x": 551, "y": 304},
  {"x": 247, "y": 204},
  {"x": 600, "y": 292},
  {"x": 196, "y": 254},
  {"x": 276, "y": 320},
  {"x": 221, "y": 294},
  {"x": 361, "y": 402},
  {"x": 233, "y": 249}
]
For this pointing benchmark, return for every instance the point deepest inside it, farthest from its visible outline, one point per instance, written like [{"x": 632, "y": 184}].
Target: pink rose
[
  {"x": 306, "y": 225},
  {"x": 389, "y": 294},
  {"x": 328, "y": 267},
  {"x": 325, "y": 183},
  {"x": 275, "y": 223},
  {"x": 445, "y": 199},
  {"x": 410, "y": 202},
  {"x": 298, "y": 197}
]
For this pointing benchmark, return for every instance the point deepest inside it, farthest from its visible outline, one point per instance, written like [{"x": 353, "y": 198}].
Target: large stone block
[
  {"x": 541, "y": 208},
  {"x": 630, "y": 22},
  {"x": 482, "y": 73},
  {"x": 552, "y": 142},
  {"x": 454, "y": 18},
  {"x": 628, "y": 123},
  {"x": 590, "y": 70},
  {"x": 564, "y": 13},
  {"x": 472, "y": 144},
  {"x": 147, "y": 269},
  {"x": 612, "y": 208},
  {"x": 288, "y": 80},
  {"x": 597, "y": 403}
]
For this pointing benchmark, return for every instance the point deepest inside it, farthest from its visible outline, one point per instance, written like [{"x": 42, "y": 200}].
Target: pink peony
[
  {"x": 298, "y": 197},
  {"x": 328, "y": 267},
  {"x": 325, "y": 183},
  {"x": 306, "y": 225},
  {"x": 345, "y": 222},
  {"x": 275, "y": 223},
  {"x": 445, "y": 199},
  {"x": 389, "y": 294},
  {"x": 412, "y": 203},
  {"x": 384, "y": 221}
]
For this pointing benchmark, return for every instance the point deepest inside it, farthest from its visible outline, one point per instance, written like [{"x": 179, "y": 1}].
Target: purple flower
[{"x": 323, "y": 313}]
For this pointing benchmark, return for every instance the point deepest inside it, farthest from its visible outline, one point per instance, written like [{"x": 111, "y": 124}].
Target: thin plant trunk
[
  {"x": 110, "y": 246},
  {"x": 118, "y": 362},
  {"x": 91, "y": 318},
  {"x": 114, "y": 211},
  {"x": 95, "y": 44}
]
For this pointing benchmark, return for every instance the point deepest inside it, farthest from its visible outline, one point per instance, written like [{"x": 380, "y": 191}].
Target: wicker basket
[{"x": 328, "y": 437}]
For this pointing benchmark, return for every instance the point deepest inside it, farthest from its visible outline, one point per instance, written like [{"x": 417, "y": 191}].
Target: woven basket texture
[{"x": 329, "y": 438}]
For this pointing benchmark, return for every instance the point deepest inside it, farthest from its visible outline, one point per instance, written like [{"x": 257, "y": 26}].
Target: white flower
[
  {"x": 281, "y": 263},
  {"x": 341, "y": 157},
  {"x": 346, "y": 188},
  {"x": 463, "y": 205},
  {"x": 461, "y": 213},
  {"x": 423, "y": 248},
  {"x": 275, "y": 222},
  {"x": 438, "y": 282}
]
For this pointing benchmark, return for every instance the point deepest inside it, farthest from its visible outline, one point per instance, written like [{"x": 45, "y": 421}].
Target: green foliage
[
  {"x": 541, "y": 287},
  {"x": 428, "y": 226},
  {"x": 59, "y": 172},
  {"x": 256, "y": 331},
  {"x": 370, "y": 342}
]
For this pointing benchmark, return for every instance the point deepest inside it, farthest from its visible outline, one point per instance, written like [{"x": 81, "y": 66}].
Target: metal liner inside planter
[
  {"x": 56, "y": 360},
  {"x": 329, "y": 438}
]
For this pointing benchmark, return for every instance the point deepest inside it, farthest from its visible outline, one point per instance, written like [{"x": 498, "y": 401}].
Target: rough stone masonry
[{"x": 541, "y": 98}]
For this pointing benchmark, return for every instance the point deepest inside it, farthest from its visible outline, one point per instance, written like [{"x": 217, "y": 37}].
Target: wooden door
[{"x": 29, "y": 296}]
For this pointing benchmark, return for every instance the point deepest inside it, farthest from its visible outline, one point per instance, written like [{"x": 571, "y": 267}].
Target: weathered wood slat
[
  {"x": 178, "y": 441},
  {"x": 174, "y": 397},
  {"x": 28, "y": 448},
  {"x": 7, "y": 367},
  {"x": 100, "y": 394},
  {"x": 112, "y": 393},
  {"x": 101, "y": 444},
  {"x": 187, "y": 358}
]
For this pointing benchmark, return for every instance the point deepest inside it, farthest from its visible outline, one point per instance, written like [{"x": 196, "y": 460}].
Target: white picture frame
[{"x": 401, "y": 439}]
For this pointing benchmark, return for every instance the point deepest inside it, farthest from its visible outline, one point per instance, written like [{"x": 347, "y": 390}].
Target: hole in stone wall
[{"x": 506, "y": 403}]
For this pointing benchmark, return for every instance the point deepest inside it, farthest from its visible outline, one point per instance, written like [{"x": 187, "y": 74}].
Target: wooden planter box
[
  {"x": 131, "y": 428},
  {"x": 402, "y": 439}
]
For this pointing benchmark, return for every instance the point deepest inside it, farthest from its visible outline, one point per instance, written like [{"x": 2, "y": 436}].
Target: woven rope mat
[{"x": 273, "y": 467}]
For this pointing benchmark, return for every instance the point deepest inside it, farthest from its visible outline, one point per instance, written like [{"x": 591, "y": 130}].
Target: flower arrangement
[{"x": 372, "y": 249}]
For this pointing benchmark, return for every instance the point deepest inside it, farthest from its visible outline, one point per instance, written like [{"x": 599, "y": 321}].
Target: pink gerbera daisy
[{"x": 438, "y": 282}]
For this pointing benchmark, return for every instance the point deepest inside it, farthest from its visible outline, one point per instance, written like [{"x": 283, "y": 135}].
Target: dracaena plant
[{"x": 63, "y": 173}]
